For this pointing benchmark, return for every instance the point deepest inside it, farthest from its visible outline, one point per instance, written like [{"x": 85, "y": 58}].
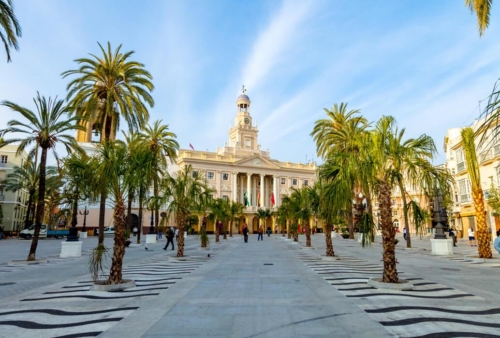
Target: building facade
[
  {"x": 488, "y": 153},
  {"x": 14, "y": 204},
  {"x": 241, "y": 168}
]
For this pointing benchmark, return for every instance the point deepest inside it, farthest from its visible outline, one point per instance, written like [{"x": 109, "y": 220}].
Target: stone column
[
  {"x": 275, "y": 190},
  {"x": 235, "y": 187},
  {"x": 262, "y": 204},
  {"x": 248, "y": 188}
]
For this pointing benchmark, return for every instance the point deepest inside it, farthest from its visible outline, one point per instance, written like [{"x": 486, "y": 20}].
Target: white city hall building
[{"x": 243, "y": 168}]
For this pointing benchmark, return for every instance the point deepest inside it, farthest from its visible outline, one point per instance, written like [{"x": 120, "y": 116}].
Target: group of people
[{"x": 260, "y": 233}]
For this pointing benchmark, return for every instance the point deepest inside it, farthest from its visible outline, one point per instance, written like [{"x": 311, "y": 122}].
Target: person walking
[
  {"x": 268, "y": 231},
  {"x": 160, "y": 235},
  {"x": 496, "y": 243},
  {"x": 245, "y": 233},
  {"x": 404, "y": 233},
  {"x": 472, "y": 239},
  {"x": 453, "y": 236},
  {"x": 170, "y": 239},
  {"x": 276, "y": 230},
  {"x": 261, "y": 232}
]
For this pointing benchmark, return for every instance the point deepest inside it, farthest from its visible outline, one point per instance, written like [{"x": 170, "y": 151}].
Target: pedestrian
[
  {"x": 261, "y": 232},
  {"x": 472, "y": 239},
  {"x": 170, "y": 239},
  {"x": 453, "y": 236},
  {"x": 404, "y": 233},
  {"x": 268, "y": 231},
  {"x": 276, "y": 230},
  {"x": 496, "y": 243},
  {"x": 135, "y": 231},
  {"x": 245, "y": 233},
  {"x": 160, "y": 235}
]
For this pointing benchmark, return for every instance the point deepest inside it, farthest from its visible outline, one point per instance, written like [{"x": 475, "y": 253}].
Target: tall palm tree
[
  {"x": 161, "y": 144},
  {"x": 482, "y": 9},
  {"x": 303, "y": 212},
  {"x": 10, "y": 29},
  {"x": 483, "y": 237},
  {"x": 201, "y": 208},
  {"x": 235, "y": 212},
  {"x": 114, "y": 159},
  {"x": 280, "y": 214},
  {"x": 107, "y": 88},
  {"x": 341, "y": 133},
  {"x": 182, "y": 192},
  {"x": 324, "y": 207},
  {"x": 46, "y": 128}
]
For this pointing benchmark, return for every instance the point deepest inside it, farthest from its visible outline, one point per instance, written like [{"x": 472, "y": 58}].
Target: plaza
[{"x": 270, "y": 288}]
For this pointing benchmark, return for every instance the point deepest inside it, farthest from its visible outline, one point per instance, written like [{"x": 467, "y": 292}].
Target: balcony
[
  {"x": 460, "y": 166},
  {"x": 465, "y": 198},
  {"x": 3, "y": 165}
]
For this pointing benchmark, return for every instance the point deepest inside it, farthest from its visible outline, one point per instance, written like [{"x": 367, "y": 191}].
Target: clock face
[
  {"x": 247, "y": 120},
  {"x": 256, "y": 162}
]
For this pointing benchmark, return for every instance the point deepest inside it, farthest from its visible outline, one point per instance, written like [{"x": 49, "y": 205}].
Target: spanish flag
[{"x": 258, "y": 199}]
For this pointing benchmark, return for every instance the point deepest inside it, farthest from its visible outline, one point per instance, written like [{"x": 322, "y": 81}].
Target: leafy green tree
[
  {"x": 218, "y": 213},
  {"x": 201, "y": 208},
  {"x": 303, "y": 212},
  {"x": 10, "y": 29},
  {"x": 161, "y": 144},
  {"x": 494, "y": 200},
  {"x": 482, "y": 234},
  {"x": 262, "y": 214},
  {"x": 46, "y": 128}
]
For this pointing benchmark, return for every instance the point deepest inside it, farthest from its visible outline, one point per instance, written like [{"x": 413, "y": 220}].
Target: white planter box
[
  {"x": 442, "y": 246},
  {"x": 151, "y": 239},
  {"x": 71, "y": 249}
]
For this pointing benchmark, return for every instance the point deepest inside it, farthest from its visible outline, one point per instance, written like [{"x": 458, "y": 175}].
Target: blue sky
[{"x": 420, "y": 61}]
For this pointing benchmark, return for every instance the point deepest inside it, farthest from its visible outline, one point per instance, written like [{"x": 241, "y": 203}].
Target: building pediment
[{"x": 257, "y": 162}]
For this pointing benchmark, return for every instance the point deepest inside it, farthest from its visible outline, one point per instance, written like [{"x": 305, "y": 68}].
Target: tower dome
[{"x": 243, "y": 99}]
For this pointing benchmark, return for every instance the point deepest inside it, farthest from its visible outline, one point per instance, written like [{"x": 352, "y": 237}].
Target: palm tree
[
  {"x": 141, "y": 167},
  {"x": 483, "y": 237},
  {"x": 26, "y": 177},
  {"x": 262, "y": 214},
  {"x": 106, "y": 88},
  {"x": 303, "y": 212},
  {"x": 235, "y": 212},
  {"x": 162, "y": 144},
  {"x": 201, "y": 208},
  {"x": 340, "y": 134},
  {"x": 10, "y": 29},
  {"x": 218, "y": 213},
  {"x": 114, "y": 159},
  {"x": 323, "y": 206},
  {"x": 280, "y": 214},
  {"x": 182, "y": 192},
  {"x": 46, "y": 128},
  {"x": 482, "y": 9}
]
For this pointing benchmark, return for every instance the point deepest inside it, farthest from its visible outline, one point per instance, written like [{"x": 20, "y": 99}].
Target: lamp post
[
  {"x": 360, "y": 207},
  {"x": 151, "y": 224},
  {"x": 439, "y": 216},
  {"x": 84, "y": 213},
  {"x": 73, "y": 232}
]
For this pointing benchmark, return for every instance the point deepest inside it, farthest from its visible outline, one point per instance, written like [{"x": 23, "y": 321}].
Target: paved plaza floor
[{"x": 270, "y": 288}]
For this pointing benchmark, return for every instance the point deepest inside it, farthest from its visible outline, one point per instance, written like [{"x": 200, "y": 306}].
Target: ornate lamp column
[
  {"x": 73, "y": 232},
  {"x": 84, "y": 213}
]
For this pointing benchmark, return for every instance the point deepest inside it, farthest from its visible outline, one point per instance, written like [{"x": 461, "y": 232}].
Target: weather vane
[{"x": 243, "y": 89}]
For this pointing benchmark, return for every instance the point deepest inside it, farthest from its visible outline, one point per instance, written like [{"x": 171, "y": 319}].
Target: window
[
  {"x": 294, "y": 181},
  {"x": 283, "y": 180},
  {"x": 248, "y": 143},
  {"x": 394, "y": 213},
  {"x": 306, "y": 183},
  {"x": 1, "y": 192},
  {"x": 460, "y": 160},
  {"x": 225, "y": 197},
  {"x": 464, "y": 188},
  {"x": 393, "y": 201},
  {"x": 225, "y": 176},
  {"x": 210, "y": 175},
  {"x": 498, "y": 173},
  {"x": 195, "y": 174},
  {"x": 3, "y": 160}
]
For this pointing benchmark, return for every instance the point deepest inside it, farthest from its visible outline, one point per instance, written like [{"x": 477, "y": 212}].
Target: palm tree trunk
[
  {"x": 28, "y": 209},
  {"x": 289, "y": 233},
  {"x": 40, "y": 207},
  {"x": 140, "y": 216},
  {"x": 224, "y": 231},
  {"x": 405, "y": 213},
  {"x": 390, "y": 274},
  {"x": 231, "y": 228},
  {"x": 203, "y": 232},
  {"x": 308, "y": 235},
  {"x": 350, "y": 221},
  {"x": 180, "y": 241},
  {"x": 157, "y": 212},
  {"x": 482, "y": 234},
  {"x": 217, "y": 239},
  {"x": 115, "y": 273},
  {"x": 102, "y": 214},
  {"x": 328, "y": 239}
]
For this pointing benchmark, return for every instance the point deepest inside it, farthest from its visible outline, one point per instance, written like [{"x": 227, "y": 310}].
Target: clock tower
[{"x": 243, "y": 136}]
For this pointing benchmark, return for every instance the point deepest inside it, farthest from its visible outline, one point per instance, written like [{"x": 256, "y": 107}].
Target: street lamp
[
  {"x": 439, "y": 216},
  {"x": 84, "y": 213},
  {"x": 151, "y": 224}
]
